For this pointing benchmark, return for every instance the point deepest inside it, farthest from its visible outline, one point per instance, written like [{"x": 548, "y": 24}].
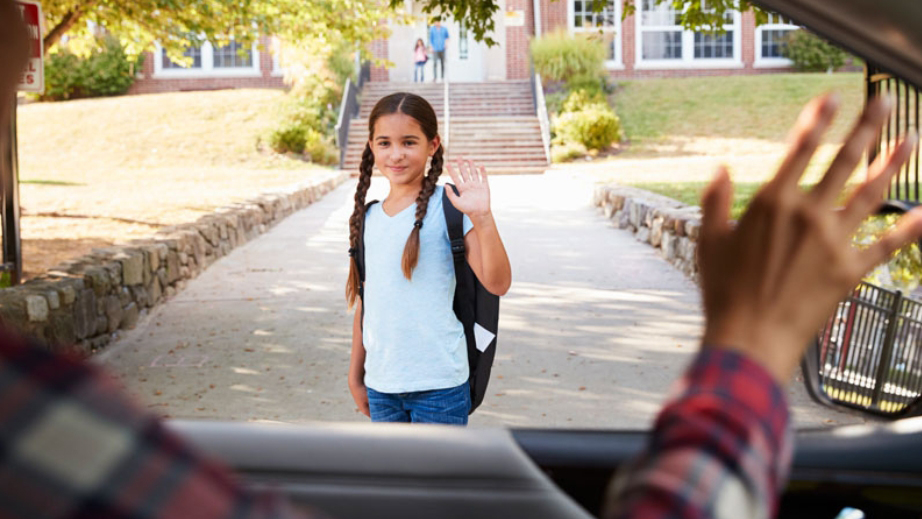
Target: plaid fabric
[
  {"x": 721, "y": 449},
  {"x": 71, "y": 446}
]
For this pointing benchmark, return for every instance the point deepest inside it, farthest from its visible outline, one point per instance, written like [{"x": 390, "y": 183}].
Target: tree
[
  {"x": 478, "y": 14},
  {"x": 177, "y": 24}
]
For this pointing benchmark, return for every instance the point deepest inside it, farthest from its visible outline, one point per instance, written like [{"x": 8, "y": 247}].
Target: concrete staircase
[{"x": 491, "y": 123}]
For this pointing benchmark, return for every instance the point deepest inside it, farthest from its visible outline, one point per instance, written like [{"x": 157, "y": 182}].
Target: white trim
[
  {"x": 207, "y": 70},
  {"x": 610, "y": 64},
  {"x": 688, "y": 60},
  {"x": 761, "y": 62},
  {"x": 275, "y": 50}
]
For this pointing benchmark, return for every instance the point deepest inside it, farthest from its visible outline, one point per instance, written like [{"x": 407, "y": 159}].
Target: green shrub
[
  {"x": 567, "y": 151},
  {"x": 107, "y": 71},
  {"x": 580, "y": 99},
  {"x": 320, "y": 149},
  {"x": 559, "y": 56},
  {"x": 810, "y": 53},
  {"x": 308, "y": 115},
  {"x": 290, "y": 138},
  {"x": 595, "y": 127}
]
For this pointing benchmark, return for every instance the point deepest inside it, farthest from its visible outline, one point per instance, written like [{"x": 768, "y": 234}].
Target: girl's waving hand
[
  {"x": 485, "y": 251},
  {"x": 471, "y": 181}
]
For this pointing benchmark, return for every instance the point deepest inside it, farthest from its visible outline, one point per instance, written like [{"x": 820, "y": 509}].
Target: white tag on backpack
[{"x": 482, "y": 337}]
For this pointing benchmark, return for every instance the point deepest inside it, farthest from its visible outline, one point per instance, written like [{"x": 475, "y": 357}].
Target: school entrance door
[{"x": 464, "y": 59}]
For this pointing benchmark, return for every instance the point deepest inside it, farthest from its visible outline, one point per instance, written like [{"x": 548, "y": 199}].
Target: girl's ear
[{"x": 434, "y": 145}]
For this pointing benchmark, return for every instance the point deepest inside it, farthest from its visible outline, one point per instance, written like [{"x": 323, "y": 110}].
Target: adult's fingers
[
  {"x": 907, "y": 229},
  {"x": 867, "y": 197},
  {"x": 716, "y": 201},
  {"x": 813, "y": 122},
  {"x": 860, "y": 137}
]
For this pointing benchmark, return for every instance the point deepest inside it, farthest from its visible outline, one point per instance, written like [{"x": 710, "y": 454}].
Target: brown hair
[{"x": 420, "y": 110}]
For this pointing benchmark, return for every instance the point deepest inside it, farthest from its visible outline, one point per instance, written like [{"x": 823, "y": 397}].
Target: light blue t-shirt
[
  {"x": 437, "y": 37},
  {"x": 413, "y": 340}
]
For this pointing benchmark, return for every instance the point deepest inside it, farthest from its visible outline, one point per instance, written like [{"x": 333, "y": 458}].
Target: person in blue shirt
[{"x": 438, "y": 37}]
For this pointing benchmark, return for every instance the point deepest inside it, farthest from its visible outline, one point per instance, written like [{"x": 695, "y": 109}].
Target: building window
[
  {"x": 462, "y": 41},
  {"x": 230, "y": 56},
  {"x": 192, "y": 52},
  {"x": 714, "y": 45},
  {"x": 663, "y": 42},
  {"x": 771, "y": 38},
  {"x": 209, "y": 60},
  {"x": 602, "y": 25}
]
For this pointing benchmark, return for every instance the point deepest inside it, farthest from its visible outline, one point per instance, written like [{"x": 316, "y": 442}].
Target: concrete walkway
[{"x": 592, "y": 334}]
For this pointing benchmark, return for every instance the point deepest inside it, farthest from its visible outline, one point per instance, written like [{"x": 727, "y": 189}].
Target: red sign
[{"x": 33, "y": 77}]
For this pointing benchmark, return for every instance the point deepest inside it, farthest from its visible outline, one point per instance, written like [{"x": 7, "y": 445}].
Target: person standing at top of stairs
[{"x": 438, "y": 37}]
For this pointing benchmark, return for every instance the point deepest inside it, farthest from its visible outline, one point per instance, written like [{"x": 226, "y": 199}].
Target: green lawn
[
  {"x": 679, "y": 130},
  {"x": 740, "y": 107}
]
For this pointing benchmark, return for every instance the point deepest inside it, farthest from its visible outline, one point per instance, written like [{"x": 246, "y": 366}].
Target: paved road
[{"x": 592, "y": 333}]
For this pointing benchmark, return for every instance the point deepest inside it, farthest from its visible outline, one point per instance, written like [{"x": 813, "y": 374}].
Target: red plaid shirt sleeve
[
  {"x": 720, "y": 449},
  {"x": 71, "y": 446}
]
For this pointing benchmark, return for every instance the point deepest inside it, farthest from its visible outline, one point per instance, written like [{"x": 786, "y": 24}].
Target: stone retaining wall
[
  {"x": 82, "y": 303},
  {"x": 668, "y": 225}
]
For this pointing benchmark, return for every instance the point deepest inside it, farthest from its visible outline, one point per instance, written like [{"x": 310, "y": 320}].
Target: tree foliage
[
  {"x": 478, "y": 14},
  {"x": 177, "y": 24}
]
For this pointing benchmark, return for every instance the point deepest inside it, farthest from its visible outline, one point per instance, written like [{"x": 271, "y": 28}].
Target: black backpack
[{"x": 474, "y": 305}]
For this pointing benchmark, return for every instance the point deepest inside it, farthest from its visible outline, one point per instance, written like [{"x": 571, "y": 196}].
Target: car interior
[{"x": 394, "y": 471}]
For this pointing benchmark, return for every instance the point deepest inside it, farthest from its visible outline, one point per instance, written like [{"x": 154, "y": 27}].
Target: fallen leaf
[
  {"x": 582, "y": 388},
  {"x": 158, "y": 393},
  {"x": 249, "y": 350}
]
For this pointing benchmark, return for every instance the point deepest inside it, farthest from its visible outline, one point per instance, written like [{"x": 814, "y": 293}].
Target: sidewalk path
[{"x": 593, "y": 332}]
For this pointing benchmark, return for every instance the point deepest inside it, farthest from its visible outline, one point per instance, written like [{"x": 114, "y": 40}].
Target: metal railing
[
  {"x": 447, "y": 122},
  {"x": 348, "y": 108},
  {"x": 870, "y": 350},
  {"x": 905, "y": 117},
  {"x": 537, "y": 92}
]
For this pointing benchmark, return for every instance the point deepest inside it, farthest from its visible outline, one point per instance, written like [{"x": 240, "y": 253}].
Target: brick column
[
  {"x": 517, "y": 54},
  {"x": 378, "y": 49}
]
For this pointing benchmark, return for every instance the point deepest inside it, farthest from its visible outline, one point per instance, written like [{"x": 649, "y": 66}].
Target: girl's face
[{"x": 401, "y": 148}]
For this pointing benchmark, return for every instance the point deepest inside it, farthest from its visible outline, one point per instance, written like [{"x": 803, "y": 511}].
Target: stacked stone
[
  {"x": 666, "y": 224},
  {"x": 82, "y": 303}
]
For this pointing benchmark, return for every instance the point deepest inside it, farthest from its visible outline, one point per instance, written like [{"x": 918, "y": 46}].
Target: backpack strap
[
  {"x": 358, "y": 253},
  {"x": 454, "y": 219}
]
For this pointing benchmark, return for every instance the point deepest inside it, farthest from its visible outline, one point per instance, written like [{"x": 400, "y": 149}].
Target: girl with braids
[{"x": 409, "y": 354}]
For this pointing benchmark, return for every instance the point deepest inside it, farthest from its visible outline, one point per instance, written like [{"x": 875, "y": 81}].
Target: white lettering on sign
[{"x": 33, "y": 77}]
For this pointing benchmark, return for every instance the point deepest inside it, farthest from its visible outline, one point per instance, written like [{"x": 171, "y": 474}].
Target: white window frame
[
  {"x": 207, "y": 70},
  {"x": 772, "y": 25},
  {"x": 275, "y": 49},
  {"x": 612, "y": 64},
  {"x": 688, "y": 60}
]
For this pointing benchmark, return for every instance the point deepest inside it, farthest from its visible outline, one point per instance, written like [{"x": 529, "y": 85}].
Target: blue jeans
[
  {"x": 439, "y": 58},
  {"x": 419, "y": 73},
  {"x": 445, "y": 406}
]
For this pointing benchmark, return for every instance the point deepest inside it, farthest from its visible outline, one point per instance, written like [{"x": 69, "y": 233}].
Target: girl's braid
[
  {"x": 356, "y": 221},
  {"x": 411, "y": 250}
]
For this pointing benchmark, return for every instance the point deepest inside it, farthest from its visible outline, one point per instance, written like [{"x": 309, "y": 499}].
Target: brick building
[
  {"x": 649, "y": 43},
  {"x": 212, "y": 68}
]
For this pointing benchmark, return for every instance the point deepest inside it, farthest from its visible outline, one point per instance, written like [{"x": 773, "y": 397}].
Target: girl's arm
[
  {"x": 357, "y": 364},
  {"x": 485, "y": 251}
]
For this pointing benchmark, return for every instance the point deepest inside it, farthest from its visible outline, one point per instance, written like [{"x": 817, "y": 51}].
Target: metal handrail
[
  {"x": 447, "y": 120},
  {"x": 348, "y": 108},
  {"x": 541, "y": 109}
]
